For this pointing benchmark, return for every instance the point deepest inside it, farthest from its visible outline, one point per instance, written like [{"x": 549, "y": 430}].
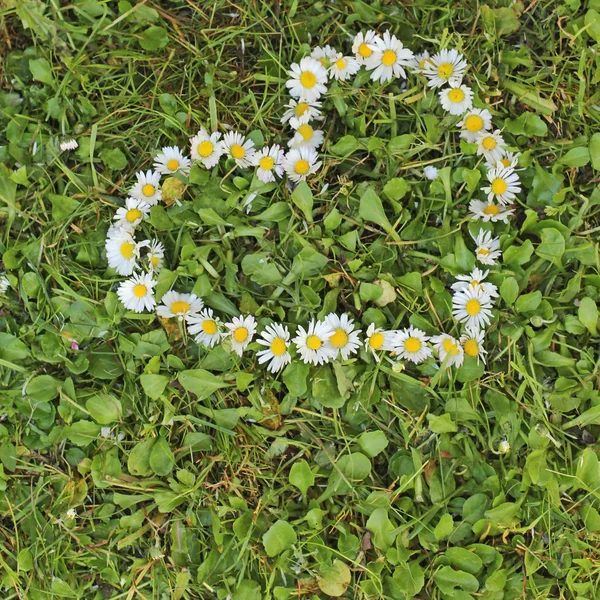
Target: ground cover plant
[{"x": 138, "y": 459}]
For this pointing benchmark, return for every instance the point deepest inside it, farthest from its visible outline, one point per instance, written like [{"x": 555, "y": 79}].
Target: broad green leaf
[
  {"x": 552, "y": 246},
  {"x": 12, "y": 348},
  {"x": 371, "y": 209},
  {"x": 334, "y": 580},
  {"x": 509, "y": 290},
  {"x": 382, "y": 529},
  {"x": 588, "y": 314},
  {"x": 138, "y": 462},
  {"x": 373, "y": 443},
  {"x": 279, "y": 538},
  {"x": 302, "y": 197},
  {"x": 301, "y": 476},
  {"x": 162, "y": 459},
  {"x": 444, "y": 527},
  {"x": 154, "y": 38},
  {"x": 154, "y": 385},
  {"x": 595, "y": 151},
  {"x": 442, "y": 424},
  {"x": 464, "y": 560},
  {"x": 448, "y": 580},
  {"x": 104, "y": 408},
  {"x": 295, "y": 378},
  {"x": 201, "y": 383},
  {"x": 41, "y": 70},
  {"x": 345, "y": 146},
  {"x": 43, "y": 388}
]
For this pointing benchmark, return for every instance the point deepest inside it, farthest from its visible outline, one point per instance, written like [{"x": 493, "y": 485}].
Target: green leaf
[
  {"x": 355, "y": 466},
  {"x": 295, "y": 378},
  {"x": 280, "y": 536},
  {"x": 464, "y": 560},
  {"x": 448, "y": 580},
  {"x": 63, "y": 206},
  {"x": 382, "y": 529},
  {"x": 442, "y": 424},
  {"x": 104, "y": 408},
  {"x": 8, "y": 456},
  {"x": 154, "y": 38},
  {"x": 83, "y": 433},
  {"x": 301, "y": 476},
  {"x": 345, "y": 146},
  {"x": 444, "y": 528},
  {"x": 41, "y": 70},
  {"x": 396, "y": 188},
  {"x": 503, "y": 514},
  {"x": 12, "y": 348},
  {"x": 308, "y": 263},
  {"x": 588, "y": 314},
  {"x": 371, "y": 209},
  {"x": 576, "y": 157},
  {"x": 334, "y": 580},
  {"x": 587, "y": 470},
  {"x": 302, "y": 197},
  {"x": 138, "y": 462},
  {"x": 161, "y": 457},
  {"x": 595, "y": 151},
  {"x": 531, "y": 97},
  {"x": 370, "y": 292},
  {"x": 509, "y": 290},
  {"x": 114, "y": 159},
  {"x": 260, "y": 269},
  {"x": 43, "y": 388},
  {"x": 201, "y": 383},
  {"x": 154, "y": 385},
  {"x": 325, "y": 389},
  {"x": 552, "y": 247},
  {"x": 528, "y": 302},
  {"x": 373, "y": 443}
]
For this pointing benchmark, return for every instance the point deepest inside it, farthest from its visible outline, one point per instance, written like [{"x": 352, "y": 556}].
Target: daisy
[
  {"x": 391, "y": 57},
  {"x": 474, "y": 122},
  {"x": 239, "y": 148},
  {"x": 419, "y": 62},
  {"x": 345, "y": 340},
  {"x": 269, "y": 161},
  {"x": 488, "y": 211},
  {"x": 411, "y": 344},
  {"x": 325, "y": 55},
  {"x": 510, "y": 159},
  {"x": 68, "y": 145},
  {"x": 456, "y": 99},
  {"x": 205, "y": 326},
  {"x": 276, "y": 338},
  {"x": 445, "y": 67},
  {"x": 307, "y": 79},
  {"x": 313, "y": 343},
  {"x": 122, "y": 251},
  {"x": 137, "y": 293},
  {"x": 488, "y": 248},
  {"x": 475, "y": 279},
  {"x": 179, "y": 305},
  {"x": 472, "y": 344},
  {"x": 305, "y": 136},
  {"x": 147, "y": 187},
  {"x": 504, "y": 185},
  {"x": 171, "y": 160},
  {"x": 430, "y": 172},
  {"x": 343, "y": 67},
  {"x": 303, "y": 111},
  {"x": 4, "y": 283},
  {"x": 132, "y": 214},
  {"x": 448, "y": 349},
  {"x": 156, "y": 254},
  {"x": 491, "y": 146},
  {"x": 378, "y": 339},
  {"x": 365, "y": 48},
  {"x": 241, "y": 332},
  {"x": 299, "y": 163},
  {"x": 206, "y": 148},
  {"x": 473, "y": 307}
]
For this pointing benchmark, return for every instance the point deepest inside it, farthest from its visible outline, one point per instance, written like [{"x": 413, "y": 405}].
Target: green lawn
[{"x": 135, "y": 465}]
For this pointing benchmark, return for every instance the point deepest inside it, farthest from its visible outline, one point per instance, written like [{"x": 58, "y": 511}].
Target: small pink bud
[{"x": 74, "y": 346}]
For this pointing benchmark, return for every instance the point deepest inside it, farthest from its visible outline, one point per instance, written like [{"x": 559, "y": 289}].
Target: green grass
[{"x": 363, "y": 481}]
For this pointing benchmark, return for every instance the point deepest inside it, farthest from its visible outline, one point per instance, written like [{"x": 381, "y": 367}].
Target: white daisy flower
[
  {"x": 303, "y": 111},
  {"x": 473, "y": 123},
  {"x": 276, "y": 338},
  {"x": 510, "y": 159},
  {"x": 269, "y": 161},
  {"x": 379, "y": 339},
  {"x": 448, "y": 348},
  {"x": 206, "y": 148},
  {"x": 132, "y": 214},
  {"x": 411, "y": 344},
  {"x": 239, "y": 148},
  {"x": 430, "y": 172},
  {"x": 68, "y": 145},
  {"x": 156, "y": 254},
  {"x": 307, "y": 79},
  {"x": 488, "y": 248},
  {"x": 391, "y": 57},
  {"x": 472, "y": 344},
  {"x": 122, "y": 251},
  {"x": 345, "y": 339},
  {"x": 137, "y": 293},
  {"x": 179, "y": 305},
  {"x": 147, "y": 187},
  {"x": 365, "y": 48},
  {"x": 305, "y": 136},
  {"x": 491, "y": 146},
  {"x": 419, "y": 62},
  {"x": 343, "y": 67},
  {"x": 325, "y": 55},
  {"x": 456, "y": 99},
  {"x": 488, "y": 211},
  {"x": 473, "y": 307},
  {"x": 475, "y": 279},
  {"x": 206, "y": 327},
  {"x": 299, "y": 163},
  {"x": 504, "y": 185},
  {"x": 445, "y": 67},
  {"x": 171, "y": 160},
  {"x": 4, "y": 283},
  {"x": 313, "y": 343},
  {"x": 241, "y": 332}
]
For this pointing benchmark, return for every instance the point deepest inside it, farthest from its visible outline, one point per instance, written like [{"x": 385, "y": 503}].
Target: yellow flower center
[
  {"x": 266, "y": 163},
  {"x": 172, "y": 164},
  {"x": 450, "y": 347},
  {"x": 205, "y": 148},
  {"x": 306, "y": 131},
  {"x": 180, "y": 306},
  {"x": 474, "y": 283},
  {"x": 364, "y": 50},
  {"x": 412, "y": 344},
  {"x": 492, "y": 209},
  {"x": 445, "y": 70},
  {"x": 237, "y": 151},
  {"x": 340, "y": 63},
  {"x": 209, "y": 326},
  {"x": 423, "y": 63},
  {"x": 489, "y": 143},
  {"x": 483, "y": 251},
  {"x": 473, "y": 307},
  {"x": 308, "y": 79},
  {"x": 154, "y": 260},
  {"x": 240, "y": 334},
  {"x": 148, "y": 190},
  {"x": 127, "y": 250},
  {"x": 140, "y": 290},
  {"x": 133, "y": 214},
  {"x": 471, "y": 348},
  {"x": 278, "y": 347},
  {"x": 456, "y": 95},
  {"x": 313, "y": 342},
  {"x": 473, "y": 123},
  {"x": 376, "y": 340},
  {"x": 300, "y": 108},
  {"x": 499, "y": 186},
  {"x": 339, "y": 339},
  {"x": 505, "y": 162},
  {"x": 301, "y": 167},
  {"x": 388, "y": 58}
]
